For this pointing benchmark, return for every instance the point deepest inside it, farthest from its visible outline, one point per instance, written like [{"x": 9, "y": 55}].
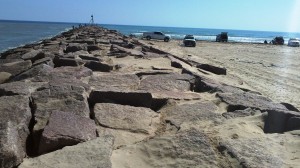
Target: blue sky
[{"x": 268, "y": 15}]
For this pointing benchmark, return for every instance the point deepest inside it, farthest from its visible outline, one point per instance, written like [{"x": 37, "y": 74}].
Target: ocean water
[
  {"x": 17, "y": 33},
  {"x": 246, "y": 36}
]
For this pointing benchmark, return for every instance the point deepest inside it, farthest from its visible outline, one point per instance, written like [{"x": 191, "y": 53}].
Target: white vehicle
[
  {"x": 156, "y": 35},
  {"x": 294, "y": 42}
]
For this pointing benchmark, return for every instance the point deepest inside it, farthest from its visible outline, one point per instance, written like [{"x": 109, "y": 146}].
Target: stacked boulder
[{"x": 91, "y": 96}]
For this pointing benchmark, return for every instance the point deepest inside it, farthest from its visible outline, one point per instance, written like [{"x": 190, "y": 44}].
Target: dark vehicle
[
  {"x": 278, "y": 40},
  {"x": 223, "y": 37},
  {"x": 189, "y": 40}
]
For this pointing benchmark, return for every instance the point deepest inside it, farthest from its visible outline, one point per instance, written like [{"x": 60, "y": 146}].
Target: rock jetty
[{"x": 92, "y": 97}]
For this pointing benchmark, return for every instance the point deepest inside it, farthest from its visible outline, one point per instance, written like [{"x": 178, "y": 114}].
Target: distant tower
[{"x": 92, "y": 20}]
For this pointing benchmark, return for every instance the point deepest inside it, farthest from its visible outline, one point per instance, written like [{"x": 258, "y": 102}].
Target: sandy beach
[{"x": 271, "y": 70}]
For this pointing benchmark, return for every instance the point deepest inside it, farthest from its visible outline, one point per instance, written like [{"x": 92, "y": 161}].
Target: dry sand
[{"x": 268, "y": 69}]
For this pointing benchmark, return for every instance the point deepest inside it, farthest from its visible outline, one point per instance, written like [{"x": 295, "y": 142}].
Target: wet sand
[{"x": 274, "y": 71}]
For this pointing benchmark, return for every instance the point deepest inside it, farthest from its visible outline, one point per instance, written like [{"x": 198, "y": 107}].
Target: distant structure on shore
[{"x": 92, "y": 20}]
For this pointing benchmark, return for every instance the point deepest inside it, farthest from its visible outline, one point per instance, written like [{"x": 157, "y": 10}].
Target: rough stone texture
[
  {"x": 115, "y": 49},
  {"x": 138, "y": 99},
  {"x": 59, "y": 96},
  {"x": 67, "y": 75},
  {"x": 293, "y": 123},
  {"x": 99, "y": 66},
  {"x": 39, "y": 70},
  {"x": 213, "y": 69},
  {"x": 252, "y": 152},
  {"x": 122, "y": 137},
  {"x": 242, "y": 101},
  {"x": 187, "y": 149},
  {"x": 118, "y": 82},
  {"x": 134, "y": 119},
  {"x": 91, "y": 154},
  {"x": 66, "y": 129},
  {"x": 178, "y": 114},
  {"x": 208, "y": 85},
  {"x": 15, "y": 117},
  {"x": 240, "y": 113},
  {"x": 46, "y": 60},
  {"x": 171, "y": 82},
  {"x": 19, "y": 88},
  {"x": 188, "y": 130},
  {"x": 93, "y": 47},
  {"x": 89, "y": 58},
  {"x": 34, "y": 55},
  {"x": 4, "y": 76},
  {"x": 281, "y": 121},
  {"x": 73, "y": 47},
  {"x": 176, "y": 95},
  {"x": 14, "y": 68},
  {"x": 59, "y": 62}
]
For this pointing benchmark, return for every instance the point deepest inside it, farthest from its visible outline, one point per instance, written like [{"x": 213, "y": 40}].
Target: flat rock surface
[
  {"x": 59, "y": 96},
  {"x": 15, "y": 116},
  {"x": 120, "y": 82},
  {"x": 245, "y": 100},
  {"x": 170, "y": 82},
  {"x": 187, "y": 149},
  {"x": 91, "y": 154},
  {"x": 133, "y": 119},
  {"x": 15, "y": 68},
  {"x": 202, "y": 111},
  {"x": 66, "y": 129}
]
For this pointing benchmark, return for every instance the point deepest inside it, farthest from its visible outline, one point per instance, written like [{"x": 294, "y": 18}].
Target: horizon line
[{"x": 68, "y": 22}]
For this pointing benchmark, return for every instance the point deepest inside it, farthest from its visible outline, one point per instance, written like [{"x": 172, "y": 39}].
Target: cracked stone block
[{"x": 66, "y": 129}]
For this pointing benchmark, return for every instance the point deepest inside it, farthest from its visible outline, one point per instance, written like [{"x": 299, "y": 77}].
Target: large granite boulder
[
  {"x": 34, "y": 72},
  {"x": 71, "y": 75},
  {"x": 60, "y": 61},
  {"x": 213, "y": 69},
  {"x": 66, "y": 129},
  {"x": 46, "y": 60},
  {"x": 15, "y": 115},
  {"x": 133, "y": 119},
  {"x": 122, "y": 137},
  {"x": 19, "y": 88},
  {"x": 166, "y": 95},
  {"x": 115, "y": 49},
  {"x": 34, "y": 55},
  {"x": 90, "y": 154},
  {"x": 279, "y": 121},
  {"x": 114, "y": 82},
  {"x": 244, "y": 144},
  {"x": 208, "y": 85},
  {"x": 189, "y": 148},
  {"x": 4, "y": 76},
  {"x": 241, "y": 101},
  {"x": 73, "y": 47},
  {"x": 99, "y": 66},
  {"x": 134, "y": 98},
  {"x": 201, "y": 111},
  {"x": 65, "y": 97},
  {"x": 240, "y": 113},
  {"x": 15, "y": 68},
  {"x": 169, "y": 82}
]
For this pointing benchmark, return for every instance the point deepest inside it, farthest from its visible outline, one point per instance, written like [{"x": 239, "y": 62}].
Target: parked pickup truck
[
  {"x": 223, "y": 37},
  {"x": 156, "y": 35},
  {"x": 189, "y": 40}
]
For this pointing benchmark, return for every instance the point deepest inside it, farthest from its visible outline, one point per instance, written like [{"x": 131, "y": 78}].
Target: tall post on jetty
[{"x": 92, "y": 20}]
